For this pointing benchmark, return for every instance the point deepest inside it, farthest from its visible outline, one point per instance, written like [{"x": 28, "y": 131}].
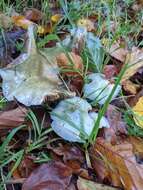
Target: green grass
[{"x": 38, "y": 138}]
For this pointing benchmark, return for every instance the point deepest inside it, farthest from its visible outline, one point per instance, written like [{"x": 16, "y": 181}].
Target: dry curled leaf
[
  {"x": 53, "y": 175},
  {"x": 130, "y": 87},
  {"x": 118, "y": 164},
  {"x": 33, "y": 76},
  {"x": 12, "y": 118},
  {"x": 70, "y": 64}
]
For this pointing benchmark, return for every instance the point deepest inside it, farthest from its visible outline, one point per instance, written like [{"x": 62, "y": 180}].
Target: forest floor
[{"x": 71, "y": 95}]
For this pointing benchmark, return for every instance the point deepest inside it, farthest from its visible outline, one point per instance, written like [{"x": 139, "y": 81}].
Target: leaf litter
[{"x": 76, "y": 84}]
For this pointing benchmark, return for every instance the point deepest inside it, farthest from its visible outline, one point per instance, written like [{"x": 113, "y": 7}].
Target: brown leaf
[
  {"x": 53, "y": 175},
  {"x": 33, "y": 14},
  {"x": 130, "y": 87},
  {"x": 119, "y": 162},
  {"x": 68, "y": 152},
  {"x": 25, "y": 168},
  {"x": 71, "y": 68},
  {"x": 12, "y": 118},
  {"x": 118, "y": 52},
  {"x": 110, "y": 71},
  {"x": 84, "y": 184},
  {"x": 137, "y": 147},
  {"x": 76, "y": 84},
  {"x": 117, "y": 126},
  {"x": 135, "y": 61}
]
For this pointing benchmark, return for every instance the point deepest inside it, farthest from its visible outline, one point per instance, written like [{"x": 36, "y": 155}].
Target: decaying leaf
[
  {"x": 72, "y": 120},
  {"x": 138, "y": 112},
  {"x": 33, "y": 76},
  {"x": 21, "y": 21},
  {"x": 33, "y": 14},
  {"x": 25, "y": 168},
  {"x": 110, "y": 71},
  {"x": 118, "y": 163},
  {"x": 84, "y": 184},
  {"x": 53, "y": 175},
  {"x": 99, "y": 88},
  {"x": 134, "y": 60},
  {"x": 70, "y": 68},
  {"x": 68, "y": 152},
  {"x": 118, "y": 52},
  {"x": 130, "y": 87},
  {"x": 12, "y": 118},
  {"x": 117, "y": 126}
]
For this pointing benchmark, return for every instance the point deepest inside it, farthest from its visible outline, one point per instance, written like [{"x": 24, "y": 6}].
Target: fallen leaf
[
  {"x": 117, "y": 125},
  {"x": 110, "y": 71},
  {"x": 130, "y": 87},
  {"x": 70, "y": 66},
  {"x": 138, "y": 112},
  {"x": 76, "y": 84},
  {"x": 84, "y": 184},
  {"x": 118, "y": 52},
  {"x": 72, "y": 120},
  {"x": 137, "y": 147},
  {"x": 99, "y": 91},
  {"x": 41, "y": 30},
  {"x": 12, "y": 118},
  {"x": 5, "y": 21},
  {"x": 33, "y": 14},
  {"x": 21, "y": 21},
  {"x": 68, "y": 152},
  {"x": 55, "y": 18},
  {"x": 25, "y": 168},
  {"x": 134, "y": 60},
  {"x": 33, "y": 76},
  {"x": 53, "y": 175},
  {"x": 119, "y": 163}
]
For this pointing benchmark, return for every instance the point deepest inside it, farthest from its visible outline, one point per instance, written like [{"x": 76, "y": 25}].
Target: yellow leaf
[
  {"x": 138, "y": 112},
  {"x": 21, "y": 21},
  {"x": 44, "y": 30},
  {"x": 55, "y": 18}
]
